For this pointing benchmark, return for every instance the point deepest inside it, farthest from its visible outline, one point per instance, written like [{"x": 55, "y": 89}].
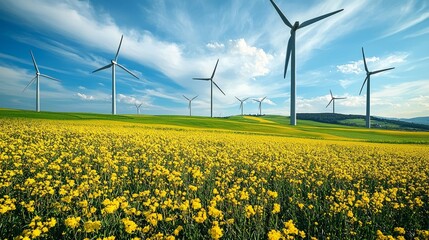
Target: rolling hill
[{"x": 260, "y": 125}]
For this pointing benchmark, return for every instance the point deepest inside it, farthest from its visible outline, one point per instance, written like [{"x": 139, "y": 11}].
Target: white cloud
[
  {"x": 344, "y": 83},
  {"x": 352, "y": 67},
  {"x": 215, "y": 45},
  {"x": 85, "y": 97},
  {"x": 373, "y": 63}
]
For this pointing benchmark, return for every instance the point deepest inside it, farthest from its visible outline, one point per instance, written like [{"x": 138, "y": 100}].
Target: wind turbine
[
  {"x": 37, "y": 78},
  {"x": 113, "y": 63},
  {"x": 241, "y": 104},
  {"x": 190, "y": 106},
  {"x": 260, "y": 103},
  {"x": 333, "y": 101},
  {"x": 211, "y": 87},
  {"x": 368, "y": 90},
  {"x": 291, "y": 51},
  {"x": 138, "y": 107}
]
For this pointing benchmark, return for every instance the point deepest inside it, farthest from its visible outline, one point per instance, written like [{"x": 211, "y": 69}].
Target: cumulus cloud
[
  {"x": 357, "y": 67},
  {"x": 254, "y": 61},
  {"x": 215, "y": 45},
  {"x": 85, "y": 97}
]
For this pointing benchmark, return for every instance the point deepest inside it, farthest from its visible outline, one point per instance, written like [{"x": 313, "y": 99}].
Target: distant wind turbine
[
  {"x": 260, "y": 103},
  {"x": 333, "y": 101},
  {"x": 190, "y": 104},
  {"x": 211, "y": 87},
  {"x": 291, "y": 51},
  {"x": 368, "y": 90},
  {"x": 138, "y": 107},
  {"x": 241, "y": 104},
  {"x": 37, "y": 78},
  {"x": 113, "y": 63}
]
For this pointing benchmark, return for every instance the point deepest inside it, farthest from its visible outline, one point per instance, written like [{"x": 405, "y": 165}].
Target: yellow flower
[
  {"x": 249, "y": 211},
  {"x": 289, "y": 228},
  {"x": 92, "y": 226},
  {"x": 72, "y": 222},
  {"x": 177, "y": 230},
  {"x": 274, "y": 235},
  {"x": 196, "y": 203},
  {"x": 130, "y": 226},
  {"x": 276, "y": 208},
  {"x": 216, "y": 232},
  {"x": 35, "y": 233},
  {"x": 272, "y": 194},
  {"x": 399, "y": 230}
]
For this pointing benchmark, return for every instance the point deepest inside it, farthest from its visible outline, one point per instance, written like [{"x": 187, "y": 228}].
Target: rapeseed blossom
[{"x": 111, "y": 180}]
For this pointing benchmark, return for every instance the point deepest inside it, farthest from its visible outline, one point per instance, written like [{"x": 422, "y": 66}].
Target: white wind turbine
[
  {"x": 260, "y": 104},
  {"x": 368, "y": 89},
  {"x": 37, "y": 78},
  {"x": 190, "y": 104},
  {"x": 113, "y": 63},
  {"x": 241, "y": 104},
  {"x": 211, "y": 87},
  {"x": 291, "y": 51},
  {"x": 138, "y": 107},
  {"x": 333, "y": 101}
]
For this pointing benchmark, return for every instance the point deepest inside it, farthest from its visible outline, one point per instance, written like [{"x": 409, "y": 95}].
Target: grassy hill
[
  {"x": 359, "y": 121},
  {"x": 263, "y": 125}
]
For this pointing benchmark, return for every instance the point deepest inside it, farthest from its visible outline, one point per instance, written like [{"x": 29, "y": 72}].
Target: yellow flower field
[{"x": 110, "y": 180}]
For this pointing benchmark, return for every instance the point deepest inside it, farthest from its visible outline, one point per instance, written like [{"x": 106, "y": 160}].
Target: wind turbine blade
[
  {"x": 140, "y": 105},
  {"x": 311, "y": 21},
  {"x": 117, "y": 52},
  {"x": 263, "y": 99},
  {"x": 218, "y": 87},
  {"x": 340, "y": 98},
  {"x": 215, "y": 69},
  {"x": 186, "y": 97},
  {"x": 34, "y": 62},
  {"x": 203, "y": 79},
  {"x": 107, "y": 66},
  {"x": 128, "y": 71},
  {"x": 363, "y": 84},
  {"x": 238, "y": 99},
  {"x": 329, "y": 103},
  {"x": 256, "y": 100},
  {"x": 194, "y": 97},
  {"x": 288, "y": 53},
  {"x": 379, "y": 71},
  {"x": 46, "y": 76},
  {"x": 332, "y": 96},
  {"x": 32, "y": 80},
  {"x": 245, "y": 99},
  {"x": 364, "y": 61},
  {"x": 283, "y": 17}
]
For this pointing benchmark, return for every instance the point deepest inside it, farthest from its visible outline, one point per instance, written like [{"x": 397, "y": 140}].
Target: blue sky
[{"x": 166, "y": 43}]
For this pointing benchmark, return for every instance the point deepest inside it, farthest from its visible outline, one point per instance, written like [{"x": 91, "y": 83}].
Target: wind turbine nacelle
[
  {"x": 296, "y": 25},
  {"x": 113, "y": 61}
]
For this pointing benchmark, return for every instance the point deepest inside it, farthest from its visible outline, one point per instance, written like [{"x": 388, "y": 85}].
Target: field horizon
[{"x": 274, "y": 125}]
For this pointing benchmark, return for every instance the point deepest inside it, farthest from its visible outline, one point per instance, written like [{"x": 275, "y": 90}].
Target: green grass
[{"x": 264, "y": 125}]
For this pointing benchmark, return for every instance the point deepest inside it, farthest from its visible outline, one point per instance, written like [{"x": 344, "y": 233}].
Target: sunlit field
[{"x": 116, "y": 180}]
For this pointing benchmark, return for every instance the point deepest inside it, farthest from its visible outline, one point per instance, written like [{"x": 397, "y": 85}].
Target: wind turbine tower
[
  {"x": 190, "y": 104},
  {"x": 291, "y": 51},
  {"x": 37, "y": 78},
  {"x": 368, "y": 89},
  {"x": 260, "y": 104},
  {"x": 241, "y": 104},
  {"x": 211, "y": 87},
  {"x": 333, "y": 101},
  {"x": 113, "y": 63}
]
